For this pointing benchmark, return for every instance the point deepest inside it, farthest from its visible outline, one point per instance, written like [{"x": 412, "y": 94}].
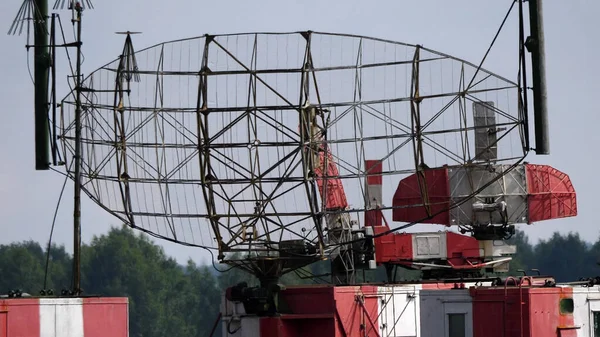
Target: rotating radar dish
[{"x": 254, "y": 145}]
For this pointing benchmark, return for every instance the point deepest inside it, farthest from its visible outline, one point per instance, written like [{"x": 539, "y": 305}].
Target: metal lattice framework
[{"x": 207, "y": 141}]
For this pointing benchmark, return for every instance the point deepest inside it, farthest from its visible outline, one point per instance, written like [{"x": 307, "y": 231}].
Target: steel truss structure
[{"x": 214, "y": 141}]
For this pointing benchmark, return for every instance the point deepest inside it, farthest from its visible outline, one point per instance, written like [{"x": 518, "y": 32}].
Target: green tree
[
  {"x": 525, "y": 258},
  {"x": 564, "y": 257},
  {"x": 202, "y": 300},
  {"x": 22, "y": 266}
]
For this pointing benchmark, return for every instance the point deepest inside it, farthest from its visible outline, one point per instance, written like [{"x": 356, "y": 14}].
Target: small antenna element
[
  {"x": 128, "y": 68},
  {"x": 29, "y": 11},
  {"x": 74, "y": 6},
  {"x": 60, "y": 4}
]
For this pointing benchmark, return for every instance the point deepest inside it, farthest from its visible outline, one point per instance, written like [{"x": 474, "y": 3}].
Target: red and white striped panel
[{"x": 64, "y": 317}]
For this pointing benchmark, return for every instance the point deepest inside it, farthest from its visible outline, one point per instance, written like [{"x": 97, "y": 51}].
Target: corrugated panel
[
  {"x": 510, "y": 188},
  {"x": 551, "y": 193}
]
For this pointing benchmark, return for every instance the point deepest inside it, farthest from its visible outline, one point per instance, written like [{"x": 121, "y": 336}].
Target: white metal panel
[
  {"x": 429, "y": 246},
  {"x": 495, "y": 248},
  {"x": 61, "y": 317},
  {"x": 229, "y": 308},
  {"x": 581, "y": 313},
  {"x": 435, "y": 306},
  {"x": 586, "y": 300},
  {"x": 374, "y": 196},
  {"x": 584, "y": 314},
  {"x": 399, "y": 311},
  {"x": 235, "y": 322}
]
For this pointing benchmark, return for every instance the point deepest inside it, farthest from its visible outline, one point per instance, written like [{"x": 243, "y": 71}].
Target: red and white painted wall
[
  {"x": 350, "y": 311},
  {"x": 64, "y": 317},
  {"x": 513, "y": 311},
  {"x": 425, "y": 310}
]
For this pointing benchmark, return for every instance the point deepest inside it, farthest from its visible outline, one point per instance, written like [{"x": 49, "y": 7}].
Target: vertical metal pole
[
  {"x": 77, "y": 177},
  {"x": 524, "y": 75},
  {"x": 536, "y": 46},
  {"x": 41, "y": 70},
  {"x": 53, "y": 64}
]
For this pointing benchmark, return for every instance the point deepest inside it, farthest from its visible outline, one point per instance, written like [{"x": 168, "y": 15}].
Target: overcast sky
[{"x": 460, "y": 28}]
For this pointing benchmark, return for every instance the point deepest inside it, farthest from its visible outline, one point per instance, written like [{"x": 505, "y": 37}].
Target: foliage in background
[{"x": 167, "y": 299}]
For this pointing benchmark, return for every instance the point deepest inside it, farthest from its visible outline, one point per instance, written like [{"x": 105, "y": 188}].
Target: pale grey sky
[{"x": 460, "y": 28}]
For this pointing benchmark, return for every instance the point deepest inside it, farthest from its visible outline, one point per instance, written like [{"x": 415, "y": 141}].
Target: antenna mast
[
  {"x": 77, "y": 9},
  {"x": 36, "y": 11}
]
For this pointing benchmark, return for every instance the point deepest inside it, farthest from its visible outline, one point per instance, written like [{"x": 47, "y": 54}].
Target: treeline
[
  {"x": 167, "y": 299},
  {"x": 566, "y": 257}
]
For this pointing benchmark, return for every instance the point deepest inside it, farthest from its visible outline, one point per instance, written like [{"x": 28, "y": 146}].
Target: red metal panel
[
  {"x": 309, "y": 311},
  {"x": 369, "y": 307},
  {"x": 435, "y": 184},
  {"x": 551, "y": 193},
  {"x": 301, "y": 300},
  {"x": 335, "y": 196},
  {"x": 349, "y": 311},
  {"x": 392, "y": 247},
  {"x": 279, "y": 327},
  {"x": 105, "y": 316},
  {"x": 3, "y": 326},
  {"x": 546, "y": 318},
  {"x": 357, "y": 319},
  {"x": 566, "y": 321},
  {"x": 373, "y": 169},
  {"x": 432, "y": 286},
  {"x": 498, "y": 312},
  {"x": 272, "y": 327},
  {"x": 521, "y": 311},
  {"x": 23, "y": 317},
  {"x": 460, "y": 248},
  {"x": 373, "y": 218}
]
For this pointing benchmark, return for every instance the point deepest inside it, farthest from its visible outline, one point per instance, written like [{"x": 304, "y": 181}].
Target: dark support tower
[{"x": 536, "y": 46}]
